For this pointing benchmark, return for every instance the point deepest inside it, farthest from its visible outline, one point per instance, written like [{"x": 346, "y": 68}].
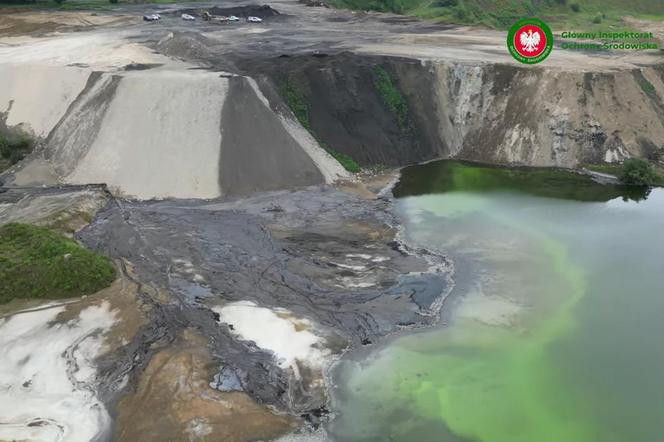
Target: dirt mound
[
  {"x": 184, "y": 45},
  {"x": 263, "y": 11},
  {"x": 253, "y": 134}
]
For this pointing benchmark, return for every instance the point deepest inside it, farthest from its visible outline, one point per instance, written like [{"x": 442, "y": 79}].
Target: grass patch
[
  {"x": 345, "y": 160},
  {"x": 295, "y": 102},
  {"x": 37, "y": 263},
  {"x": 392, "y": 97},
  {"x": 646, "y": 86},
  {"x": 501, "y": 14},
  {"x": 300, "y": 108}
]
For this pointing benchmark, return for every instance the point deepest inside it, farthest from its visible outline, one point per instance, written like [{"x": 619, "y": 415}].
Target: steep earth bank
[
  {"x": 105, "y": 110},
  {"x": 210, "y": 134},
  {"x": 396, "y": 111}
]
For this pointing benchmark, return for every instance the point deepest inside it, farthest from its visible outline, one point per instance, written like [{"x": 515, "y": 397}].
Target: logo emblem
[{"x": 530, "y": 41}]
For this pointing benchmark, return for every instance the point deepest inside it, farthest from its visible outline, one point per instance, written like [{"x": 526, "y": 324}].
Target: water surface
[{"x": 553, "y": 328}]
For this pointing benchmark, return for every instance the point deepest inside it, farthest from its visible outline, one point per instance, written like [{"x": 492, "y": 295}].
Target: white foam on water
[{"x": 47, "y": 376}]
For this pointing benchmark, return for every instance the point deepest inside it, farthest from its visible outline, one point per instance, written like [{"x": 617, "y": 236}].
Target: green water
[{"x": 553, "y": 331}]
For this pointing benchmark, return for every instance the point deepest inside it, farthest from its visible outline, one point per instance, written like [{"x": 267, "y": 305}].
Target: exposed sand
[
  {"x": 105, "y": 125},
  {"x": 160, "y": 137},
  {"x": 46, "y": 375},
  {"x": 40, "y": 22},
  {"x": 290, "y": 339},
  {"x": 97, "y": 50},
  {"x": 173, "y": 402},
  {"x": 37, "y": 96}
]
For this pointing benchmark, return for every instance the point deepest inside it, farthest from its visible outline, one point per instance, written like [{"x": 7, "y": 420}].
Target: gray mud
[
  {"x": 322, "y": 254},
  {"x": 253, "y": 135}
]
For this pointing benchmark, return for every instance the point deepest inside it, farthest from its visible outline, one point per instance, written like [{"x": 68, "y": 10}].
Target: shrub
[
  {"x": 575, "y": 7},
  {"x": 447, "y": 3},
  {"x": 13, "y": 151},
  {"x": 597, "y": 18},
  {"x": 637, "y": 172}
]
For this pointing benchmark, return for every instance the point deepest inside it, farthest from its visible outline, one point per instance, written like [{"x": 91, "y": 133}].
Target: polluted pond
[{"x": 556, "y": 296}]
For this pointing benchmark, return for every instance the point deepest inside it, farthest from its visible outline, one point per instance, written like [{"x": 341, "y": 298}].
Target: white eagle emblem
[{"x": 530, "y": 40}]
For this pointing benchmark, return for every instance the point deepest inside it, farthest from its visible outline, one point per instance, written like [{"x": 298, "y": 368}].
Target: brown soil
[
  {"x": 15, "y": 22},
  {"x": 174, "y": 402},
  {"x": 130, "y": 313}
]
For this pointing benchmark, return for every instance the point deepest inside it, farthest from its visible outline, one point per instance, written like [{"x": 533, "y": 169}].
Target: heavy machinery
[{"x": 214, "y": 18}]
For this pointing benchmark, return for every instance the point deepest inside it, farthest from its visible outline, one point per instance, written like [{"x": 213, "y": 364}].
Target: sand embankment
[
  {"x": 159, "y": 137},
  {"x": 165, "y": 130}
]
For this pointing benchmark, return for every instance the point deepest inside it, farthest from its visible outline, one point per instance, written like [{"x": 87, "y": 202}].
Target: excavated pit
[{"x": 234, "y": 129}]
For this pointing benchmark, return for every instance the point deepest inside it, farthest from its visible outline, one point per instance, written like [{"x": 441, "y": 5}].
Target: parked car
[
  {"x": 188, "y": 17},
  {"x": 252, "y": 19},
  {"x": 233, "y": 18},
  {"x": 151, "y": 17}
]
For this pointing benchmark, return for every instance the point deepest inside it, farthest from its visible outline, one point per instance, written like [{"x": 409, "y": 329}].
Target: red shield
[{"x": 530, "y": 41}]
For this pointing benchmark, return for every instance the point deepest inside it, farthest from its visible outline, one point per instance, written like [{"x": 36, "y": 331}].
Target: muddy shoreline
[{"x": 326, "y": 256}]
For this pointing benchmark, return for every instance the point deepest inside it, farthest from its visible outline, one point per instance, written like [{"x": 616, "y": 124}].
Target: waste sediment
[{"x": 290, "y": 253}]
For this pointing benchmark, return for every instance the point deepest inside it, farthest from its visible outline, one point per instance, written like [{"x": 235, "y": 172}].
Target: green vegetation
[
  {"x": 617, "y": 170},
  {"x": 637, "y": 172},
  {"x": 296, "y": 102},
  {"x": 300, "y": 108},
  {"x": 346, "y": 161},
  {"x": 37, "y": 263},
  {"x": 587, "y": 14},
  {"x": 392, "y": 97},
  {"x": 646, "y": 86},
  {"x": 13, "y": 150}
]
